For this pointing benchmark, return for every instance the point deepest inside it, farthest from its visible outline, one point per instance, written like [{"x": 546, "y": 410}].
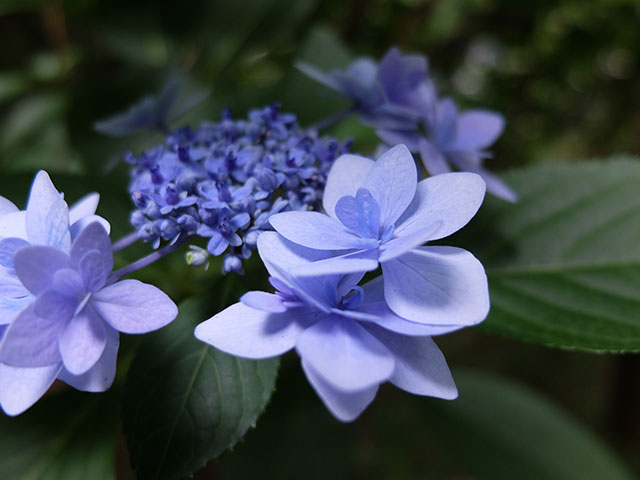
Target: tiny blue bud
[{"x": 232, "y": 263}]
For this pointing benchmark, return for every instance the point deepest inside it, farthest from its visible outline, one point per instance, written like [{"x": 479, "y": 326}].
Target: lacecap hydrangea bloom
[
  {"x": 347, "y": 337},
  {"x": 351, "y": 338},
  {"x": 62, "y": 306},
  {"x": 224, "y": 180},
  {"x": 377, "y": 213},
  {"x": 399, "y": 99}
]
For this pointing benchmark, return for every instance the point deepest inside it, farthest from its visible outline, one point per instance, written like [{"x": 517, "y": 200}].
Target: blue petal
[
  {"x": 217, "y": 244},
  {"x": 318, "y": 75},
  {"x": 250, "y": 333},
  {"x": 433, "y": 159},
  {"x": 10, "y": 308},
  {"x": 346, "y": 176},
  {"x": 403, "y": 244},
  {"x": 100, "y": 377},
  {"x": 20, "y": 387},
  {"x": 477, "y": 130},
  {"x": 394, "y": 137},
  {"x": 55, "y": 306},
  {"x": 445, "y": 129},
  {"x": 8, "y": 248},
  {"x": 319, "y": 231},
  {"x": 81, "y": 224},
  {"x": 374, "y": 309},
  {"x": 92, "y": 238},
  {"x": 448, "y": 200},
  {"x": 346, "y": 407},
  {"x": 36, "y": 266},
  {"x": 421, "y": 368},
  {"x": 345, "y": 355},
  {"x": 131, "y": 306},
  {"x": 83, "y": 342},
  {"x": 494, "y": 184},
  {"x": 31, "y": 341},
  {"x": 267, "y": 302},
  {"x": 94, "y": 271},
  {"x": 360, "y": 261},
  {"x": 437, "y": 286},
  {"x": 392, "y": 182}
]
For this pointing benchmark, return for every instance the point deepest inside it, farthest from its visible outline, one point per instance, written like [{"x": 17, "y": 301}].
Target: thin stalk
[
  {"x": 331, "y": 120},
  {"x": 125, "y": 241},
  {"x": 146, "y": 260}
]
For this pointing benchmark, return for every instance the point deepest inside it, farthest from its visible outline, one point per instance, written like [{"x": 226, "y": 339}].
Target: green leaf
[
  {"x": 185, "y": 402},
  {"x": 69, "y": 436},
  {"x": 498, "y": 430},
  {"x": 564, "y": 262}
]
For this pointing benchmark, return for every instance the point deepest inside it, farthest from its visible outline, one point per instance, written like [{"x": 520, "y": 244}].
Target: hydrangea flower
[
  {"x": 455, "y": 139},
  {"x": 378, "y": 214},
  {"x": 46, "y": 221},
  {"x": 224, "y": 180},
  {"x": 61, "y": 312},
  {"x": 347, "y": 337},
  {"x": 392, "y": 94},
  {"x": 400, "y": 100}
]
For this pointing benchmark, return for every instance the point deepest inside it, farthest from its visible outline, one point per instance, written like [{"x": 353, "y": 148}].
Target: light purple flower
[
  {"x": 347, "y": 337},
  {"x": 71, "y": 328},
  {"x": 377, "y": 213},
  {"x": 51, "y": 256},
  {"x": 46, "y": 221},
  {"x": 386, "y": 95},
  {"x": 458, "y": 139}
]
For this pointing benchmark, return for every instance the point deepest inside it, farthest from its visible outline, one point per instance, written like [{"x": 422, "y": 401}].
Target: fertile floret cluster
[{"x": 224, "y": 180}]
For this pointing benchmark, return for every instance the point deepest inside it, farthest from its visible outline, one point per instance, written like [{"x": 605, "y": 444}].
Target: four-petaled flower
[
  {"x": 349, "y": 340},
  {"x": 377, "y": 213}
]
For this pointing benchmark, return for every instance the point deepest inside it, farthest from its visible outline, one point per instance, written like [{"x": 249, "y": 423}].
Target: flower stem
[
  {"x": 331, "y": 120},
  {"x": 125, "y": 241},
  {"x": 146, "y": 261}
]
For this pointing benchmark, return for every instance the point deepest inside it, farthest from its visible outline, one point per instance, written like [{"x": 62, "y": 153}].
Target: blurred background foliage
[{"x": 565, "y": 75}]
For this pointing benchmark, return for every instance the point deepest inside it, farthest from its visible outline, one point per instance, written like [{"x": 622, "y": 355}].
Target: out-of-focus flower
[
  {"x": 456, "y": 139},
  {"x": 400, "y": 100}
]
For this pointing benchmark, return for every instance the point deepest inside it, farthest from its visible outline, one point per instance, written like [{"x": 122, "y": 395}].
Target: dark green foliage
[
  {"x": 69, "y": 436},
  {"x": 564, "y": 262},
  {"x": 185, "y": 402}
]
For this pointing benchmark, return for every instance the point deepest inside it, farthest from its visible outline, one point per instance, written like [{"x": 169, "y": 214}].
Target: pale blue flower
[
  {"x": 347, "y": 337},
  {"x": 378, "y": 214},
  {"x": 46, "y": 221},
  {"x": 61, "y": 316}
]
